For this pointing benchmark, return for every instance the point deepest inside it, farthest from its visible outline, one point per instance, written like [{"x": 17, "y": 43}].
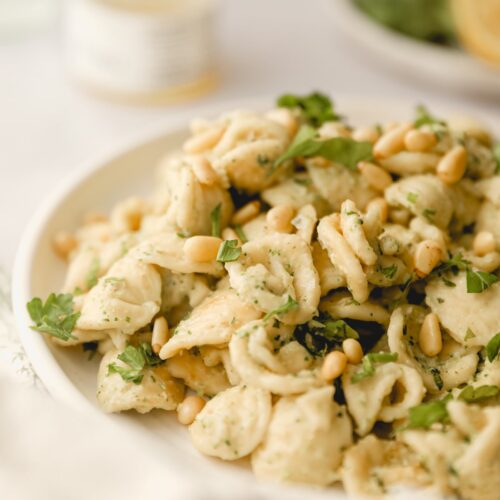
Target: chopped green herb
[
  {"x": 215, "y": 220},
  {"x": 289, "y": 305},
  {"x": 113, "y": 281},
  {"x": 389, "y": 272},
  {"x": 478, "y": 281},
  {"x": 228, "y": 251},
  {"x": 412, "y": 197},
  {"x": 368, "y": 365},
  {"x": 426, "y": 414},
  {"x": 436, "y": 375},
  {"x": 262, "y": 160},
  {"x": 343, "y": 150},
  {"x": 240, "y": 233},
  {"x": 492, "y": 347},
  {"x": 302, "y": 182},
  {"x": 182, "y": 234},
  {"x": 316, "y": 108},
  {"x": 469, "y": 334},
  {"x": 93, "y": 274},
  {"x": 429, "y": 214},
  {"x": 56, "y": 317},
  {"x": 424, "y": 117},
  {"x": 496, "y": 155},
  {"x": 472, "y": 394}
]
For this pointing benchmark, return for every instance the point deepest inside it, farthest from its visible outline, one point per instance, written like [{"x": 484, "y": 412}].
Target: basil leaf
[
  {"x": 492, "y": 347},
  {"x": 215, "y": 220},
  {"x": 228, "y": 251},
  {"x": 56, "y": 317},
  {"x": 368, "y": 364},
  {"x": 315, "y": 108},
  {"x": 478, "y": 281},
  {"x": 288, "y": 306},
  {"x": 471, "y": 394},
  {"x": 342, "y": 150},
  {"x": 426, "y": 414}
]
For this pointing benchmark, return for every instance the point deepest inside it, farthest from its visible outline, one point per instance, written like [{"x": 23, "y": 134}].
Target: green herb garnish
[
  {"x": 389, "y": 272},
  {"x": 426, "y": 414},
  {"x": 496, "y": 155},
  {"x": 215, "y": 220},
  {"x": 368, "y": 364},
  {"x": 316, "y": 108},
  {"x": 412, "y": 197},
  {"x": 436, "y": 375},
  {"x": 228, "y": 251},
  {"x": 137, "y": 358},
  {"x": 342, "y": 150},
  {"x": 424, "y": 117},
  {"x": 478, "y": 281},
  {"x": 56, "y": 317},
  {"x": 472, "y": 394},
  {"x": 93, "y": 274},
  {"x": 492, "y": 347},
  {"x": 429, "y": 214},
  {"x": 240, "y": 233},
  {"x": 289, "y": 305},
  {"x": 469, "y": 334}
]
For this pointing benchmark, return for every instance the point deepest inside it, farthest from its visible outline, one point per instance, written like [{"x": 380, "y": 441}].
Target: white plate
[
  {"x": 99, "y": 184},
  {"x": 449, "y": 68}
]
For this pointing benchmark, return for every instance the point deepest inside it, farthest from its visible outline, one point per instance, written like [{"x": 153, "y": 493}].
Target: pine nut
[
  {"x": 189, "y": 408},
  {"x": 334, "y": 365},
  {"x": 279, "y": 218},
  {"x": 376, "y": 176},
  {"x": 381, "y": 205},
  {"x": 203, "y": 141},
  {"x": 451, "y": 167},
  {"x": 202, "y": 248},
  {"x": 204, "y": 171},
  {"x": 484, "y": 243},
  {"x": 246, "y": 213},
  {"x": 430, "y": 339},
  {"x": 160, "y": 334},
  {"x": 400, "y": 216},
  {"x": 284, "y": 117},
  {"x": 333, "y": 129},
  {"x": 427, "y": 256},
  {"x": 391, "y": 142},
  {"x": 353, "y": 351},
  {"x": 366, "y": 134},
  {"x": 420, "y": 140},
  {"x": 64, "y": 243}
]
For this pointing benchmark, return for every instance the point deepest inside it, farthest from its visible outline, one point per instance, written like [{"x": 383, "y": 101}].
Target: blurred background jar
[
  {"x": 20, "y": 18},
  {"x": 141, "y": 51}
]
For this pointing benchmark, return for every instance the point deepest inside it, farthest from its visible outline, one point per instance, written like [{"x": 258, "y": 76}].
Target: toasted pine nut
[
  {"x": 376, "y": 176},
  {"x": 94, "y": 217},
  {"x": 391, "y": 142},
  {"x": 189, "y": 408},
  {"x": 379, "y": 204},
  {"x": 333, "y": 129},
  {"x": 204, "y": 171},
  {"x": 451, "y": 167},
  {"x": 284, "y": 117},
  {"x": 427, "y": 256},
  {"x": 399, "y": 216},
  {"x": 279, "y": 218},
  {"x": 430, "y": 339},
  {"x": 419, "y": 140},
  {"x": 334, "y": 365},
  {"x": 64, "y": 243},
  {"x": 484, "y": 243},
  {"x": 160, "y": 334},
  {"x": 366, "y": 134},
  {"x": 246, "y": 213},
  {"x": 204, "y": 140},
  {"x": 353, "y": 351},
  {"x": 202, "y": 248}
]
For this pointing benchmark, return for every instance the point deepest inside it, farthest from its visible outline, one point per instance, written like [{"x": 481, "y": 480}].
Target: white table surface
[{"x": 48, "y": 125}]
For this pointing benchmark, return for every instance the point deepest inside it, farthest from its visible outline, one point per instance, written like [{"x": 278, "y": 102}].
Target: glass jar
[{"x": 142, "y": 51}]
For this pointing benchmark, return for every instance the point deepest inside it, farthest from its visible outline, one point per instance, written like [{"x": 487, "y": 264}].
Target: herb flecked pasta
[{"x": 329, "y": 293}]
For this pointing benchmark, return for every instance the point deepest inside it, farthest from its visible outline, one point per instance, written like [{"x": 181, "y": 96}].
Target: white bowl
[{"x": 127, "y": 170}]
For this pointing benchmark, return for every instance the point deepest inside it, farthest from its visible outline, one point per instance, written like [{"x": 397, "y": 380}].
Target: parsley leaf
[
  {"x": 316, "y": 108},
  {"x": 228, "y": 251},
  {"x": 424, "y": 415},
  {"x": 429, "y": 214},
  {"x": 471, "y": 394},
  {"x": 368, "y": 364},
  {"x": 424, "y": 117},
  {"x": 137, "y": 358},
  {"x": 343, "y": 150},
  {"x": 389, "y": 272},
  {"x": 240, "y": 233},
  {"x": 93, "y": 274},
  {"x": 478, "y": 281},
  {"x": 469, "y": 334},
  {"x": 496, "y": 155},
  {"x": 492, "y": 347},
  {"x": 287, "y": 306},
  {"x": 56, "y": 317},
  {"x": 215, "y": 220},
  {"x": 412, "y": 197},
  {"x": 436, "y": 375}
]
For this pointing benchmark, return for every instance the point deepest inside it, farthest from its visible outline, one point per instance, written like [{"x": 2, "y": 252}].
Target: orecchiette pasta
[{"x": 329, "y": 292}]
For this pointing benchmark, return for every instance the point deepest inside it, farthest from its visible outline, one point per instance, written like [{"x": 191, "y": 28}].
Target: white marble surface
[{"x": 48, "y": 125}]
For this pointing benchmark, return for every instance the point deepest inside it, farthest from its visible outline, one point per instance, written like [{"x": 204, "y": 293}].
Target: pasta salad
[{"x": 318, "y": 296}]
